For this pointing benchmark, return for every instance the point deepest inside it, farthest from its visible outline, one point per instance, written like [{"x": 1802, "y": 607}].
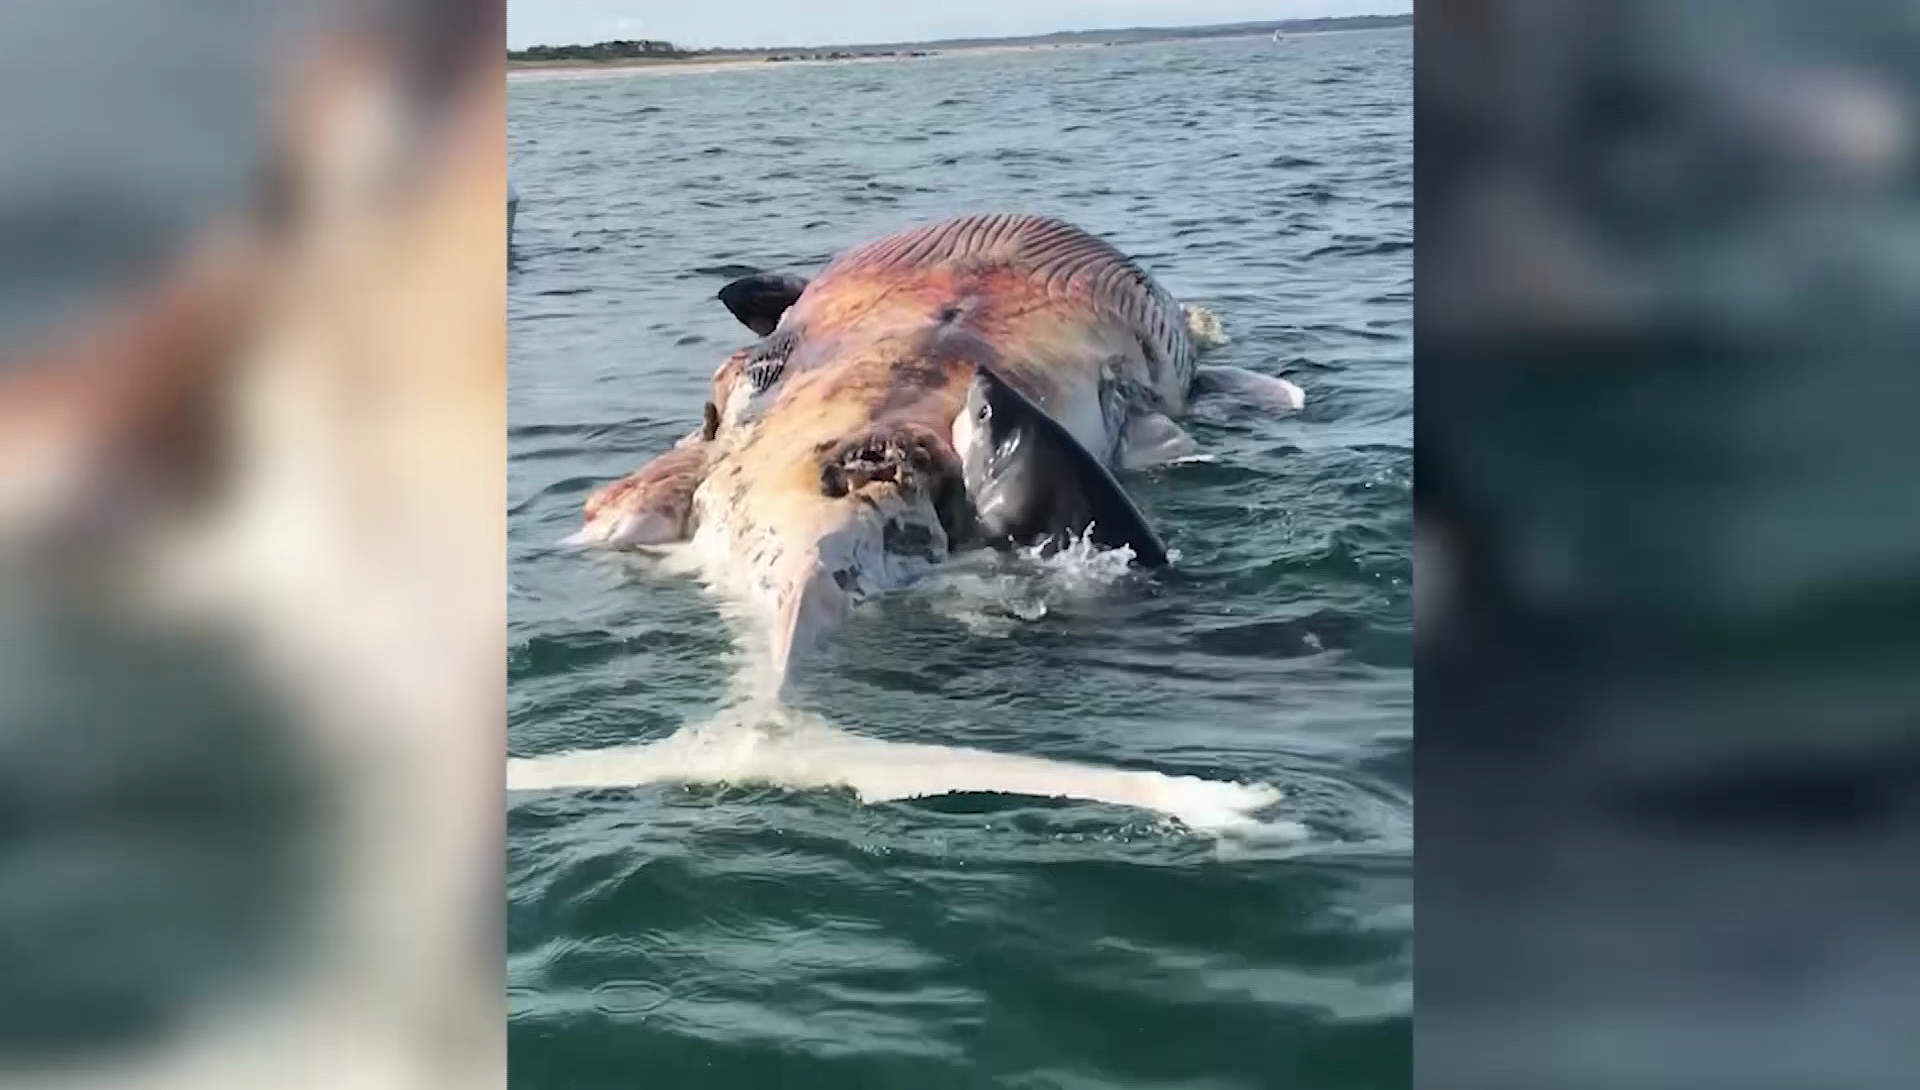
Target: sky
[{"x": 748, "y": 23}]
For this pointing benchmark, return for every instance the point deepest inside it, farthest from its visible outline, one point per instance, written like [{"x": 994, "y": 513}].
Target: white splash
[
  {"x": 991, "y": 593},
  {"x": 1083, "y": 565}
]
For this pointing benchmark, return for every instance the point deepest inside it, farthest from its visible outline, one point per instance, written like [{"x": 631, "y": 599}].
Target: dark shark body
[{"x": 1032, "y": 483}]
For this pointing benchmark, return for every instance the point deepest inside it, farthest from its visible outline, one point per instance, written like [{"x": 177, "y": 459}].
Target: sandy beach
[{"x": 546, "y": 70}]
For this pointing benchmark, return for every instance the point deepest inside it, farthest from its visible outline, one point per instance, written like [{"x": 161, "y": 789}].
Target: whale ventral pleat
[{"x": 767, "y": 362}]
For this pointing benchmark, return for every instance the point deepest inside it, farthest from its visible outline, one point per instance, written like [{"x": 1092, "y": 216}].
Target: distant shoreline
[
  {"x": 834, "y": 55},
  {"x": 793, "y": 59}
]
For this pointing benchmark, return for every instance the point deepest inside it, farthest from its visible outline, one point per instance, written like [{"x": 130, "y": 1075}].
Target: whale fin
[
  {"x": 1263, "y": 391},
  {"x": 1153, "y": 439},
  {"x": 1014, "y": 458},
  {"x": 653, "y": 505},
  {"x": 759, "y": 300}
]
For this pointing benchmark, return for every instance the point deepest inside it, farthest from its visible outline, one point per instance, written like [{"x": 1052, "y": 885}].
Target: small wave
[
  {"x": 1277, "y": 639},
  {"x": 729, "y": 270},
  {"x": 535, "y": 431},
  {"x": 1362, "y": 248},
  {"x": 566, "y": 486},
  {"x": 543, "y": 655}
]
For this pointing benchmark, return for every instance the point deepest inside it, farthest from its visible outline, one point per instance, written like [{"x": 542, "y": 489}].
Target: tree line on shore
[
  {"x": 625, "y": 49},
  {"x": 658, "y": 50}
]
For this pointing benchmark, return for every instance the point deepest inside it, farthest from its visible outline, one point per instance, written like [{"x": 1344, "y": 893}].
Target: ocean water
[{"x": 807, "y": 925}]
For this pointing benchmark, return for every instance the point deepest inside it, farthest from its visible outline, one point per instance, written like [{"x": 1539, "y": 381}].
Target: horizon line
[{"x": 1255, "y": 24}]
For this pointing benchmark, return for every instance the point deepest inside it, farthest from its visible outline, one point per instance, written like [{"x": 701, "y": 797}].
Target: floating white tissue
[{"x": 790, "y": 750}]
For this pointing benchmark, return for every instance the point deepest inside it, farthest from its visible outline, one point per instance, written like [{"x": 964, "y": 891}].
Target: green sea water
[{"x": 755, "y": 934}]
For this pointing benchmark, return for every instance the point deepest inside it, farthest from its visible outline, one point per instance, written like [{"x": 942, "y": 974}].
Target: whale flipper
[
  {"x": 759, "y": 300},
  {"x": 1032, "y": 482},
  {"x": 1263, "y": 391},
  {"x": 1153, "y": 439},
  {"x": 651, "y": 506}
]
